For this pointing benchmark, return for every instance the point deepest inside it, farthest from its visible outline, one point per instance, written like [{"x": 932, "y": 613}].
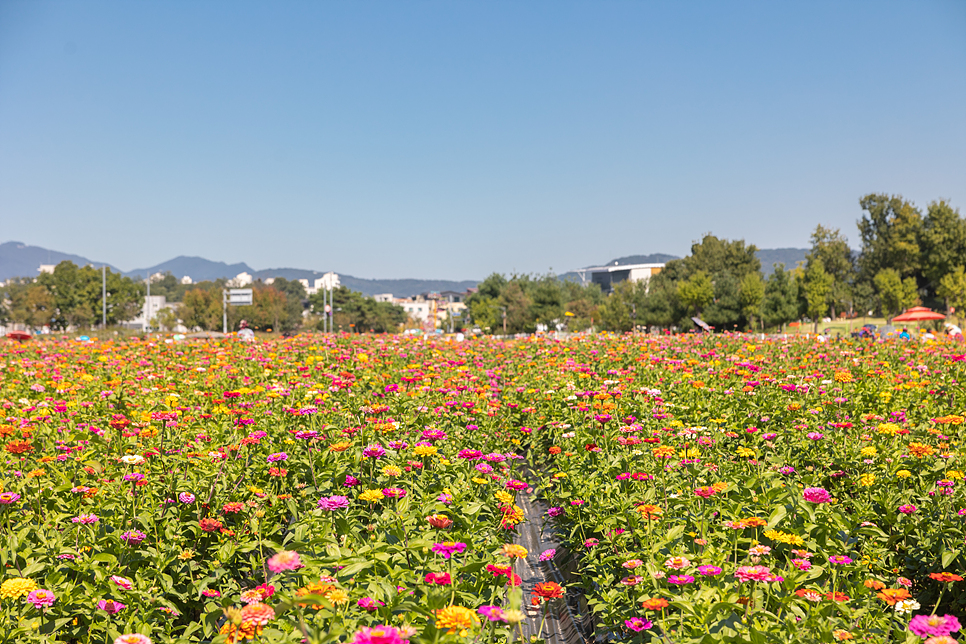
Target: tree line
[{"x": 906, "y": 257}]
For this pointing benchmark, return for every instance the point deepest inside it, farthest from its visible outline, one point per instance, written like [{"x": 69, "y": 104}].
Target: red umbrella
[
  {"x": 19, "y": 335},
  {"x": 917, "y": 313}
]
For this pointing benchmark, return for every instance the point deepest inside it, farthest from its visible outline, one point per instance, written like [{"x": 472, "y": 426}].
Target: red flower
[
  {"x": 210, "y": 525},
  {"x": 548, "y": 590},
  {"x": 947, "y": 577}
]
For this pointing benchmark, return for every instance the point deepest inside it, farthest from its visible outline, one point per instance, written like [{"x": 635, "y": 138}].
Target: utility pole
[
  {"x": 104, "y": 296},
  {"x": 147, "y": 305},
  {"x": 504, "y": 319},
  {"x": 224, "y": 311}
]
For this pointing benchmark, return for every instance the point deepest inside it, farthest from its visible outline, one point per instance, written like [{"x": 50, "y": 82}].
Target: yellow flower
[
  {"x": 392, "y": 470},
  {"x": 480, "y": 481},
  {"x": 921, "y": 450},
  {"x": 843, "y": 376},
  {"x": 903, "y": 474},
  {"x": 186, "y": 554},
  {"x": 745, "y": 452},
  {"x": 425, "y": 450},
  {"x": 503, "y": 497},
  {"x": 513, "y": 550},
  {"x": 954, "y": 475},
  {"x": 371, "y": 496},
  {"x": 784, "y": 537},
  {"x": 341, "y": 446},
  {"x": 456, "y": 618},
  {"x": 867, "y": 479},
  {"x": 868, "y": 452},
  {"x": 17, "y": 587},
  {"x": 337, "y": 596}
]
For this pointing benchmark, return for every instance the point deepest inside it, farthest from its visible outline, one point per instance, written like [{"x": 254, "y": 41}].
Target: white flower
[
  {"x": 132, "y": 459},
  {"x": 906, "y": 606}
]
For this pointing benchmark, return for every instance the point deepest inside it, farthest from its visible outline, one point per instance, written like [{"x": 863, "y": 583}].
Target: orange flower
[
  {"x": 874, "y": 584},
  {"x": 655, "y": 603},
  {"x": 649, "y": 511},
  {"x": 754, "y": 522},
  {"x": 548, "y": 590},
  {"x": 893, "y": 595},
  {"x": 19, "y": 447},
  {"x": 947, "y": 577},
  {"x": 554, "y": 450},
  {"x": 921, "y": 450},
  {"x": 440, "y": 521}
]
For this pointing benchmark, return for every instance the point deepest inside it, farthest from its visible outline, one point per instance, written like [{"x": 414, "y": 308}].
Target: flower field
[{"x": 369, "y": 489}]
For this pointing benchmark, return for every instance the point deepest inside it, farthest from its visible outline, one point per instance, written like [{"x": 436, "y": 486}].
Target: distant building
[
  {"x": 240, "y": 280},
  {"x": 328, "y": 281},
  {"x": 607, "y": 276},
  {"x": 268, "y": 281},
  {"x": 47, "y": 268},
  {"x": 157, "y": 277},
  {"x": 383, "y": 297},
  {"x": 186, "y": 280}
]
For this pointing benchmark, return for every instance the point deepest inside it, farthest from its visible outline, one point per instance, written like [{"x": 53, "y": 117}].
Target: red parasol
[
  {"x": 19, "y": 335},
  {"x": 918, "y": 313}
]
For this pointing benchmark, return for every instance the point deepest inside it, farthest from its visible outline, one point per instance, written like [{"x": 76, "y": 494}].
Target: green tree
[
  {"x": 780, "y": 304},
  {"x": 519, "y": 316},
  {"x": 696, "y": 292},
  {"x": 952, "y": 287},
  {"x": 818, "y": 287},
  {"x": 890, "y": 232},
  {"x": 547, "y": 295},
  {"x": 713, "y": 255},
  {"x": 202, "y": 309},
  {"x": 751, "y": 294},
  {"x": 26, "y": 302},
  {"x": 895, "y": 294},
  {"x": 724, "y": 311},
  {"x": 616, "y": 313},
  {"x": 77, "y": 295},
  {"x": 832, "y": 248},
  {"x": 942, "y": 242}
]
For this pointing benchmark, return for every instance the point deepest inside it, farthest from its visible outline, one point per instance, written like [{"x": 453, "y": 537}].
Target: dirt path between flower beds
[{"x": 536, "y": 536}]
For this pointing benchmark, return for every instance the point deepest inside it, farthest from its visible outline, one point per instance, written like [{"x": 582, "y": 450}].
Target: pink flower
[
  {"x": 680, "y": 579},
  {"x": 816, "y": 495},
  {"x": 907, "y": 509},
  {"x": 802, "y": 564},
  {"x": 548, "y": 555},
  {"x": 369, "y": 604},
  {"x": 638, "y": 624},
  {"x": 709, "y": 571},
  {"x": 677, "y": 563},
  {"x": 123, "y": 582},
  {"x": 438, "y": 578},
  {"x": 133, "y": 537},
  {"x": 186, "y": 497},
  {"x": 902, "y": 581},
  {"x": 285, "y": 560},
  {"x": 492, "y": 613},
  {"x": 331, "y": 503},
  {"x": 934, "y": 625},
  {"x": 41, "y": 598},
  {"x": 379, "y": 635},
  {"x": 111, "y": 607},
  {"x": 753, "y": 573},
  {"x": 133, "y": 638},
  {"x": 448, "y": 548},
  {"x": 85, "y": 519},
  {"x": 841, "y": 560},
  {"x": 373, "y": 451}
]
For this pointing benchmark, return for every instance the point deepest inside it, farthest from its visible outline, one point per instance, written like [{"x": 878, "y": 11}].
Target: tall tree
[
  {"x": 952, "y": 287},
  {"x": 780, "y": 305},
  {"x": 942, "y": 242},
  {"x": 832, "y": 248},
  {"x": 818, "y": 287},
  {"x": 895, "y": 293},
  {"x": 712, "y": 256},
  {"x": 890, "y": 232},
  {"x": 696, "y": 292},
  {"x": 751, "y": 293}
]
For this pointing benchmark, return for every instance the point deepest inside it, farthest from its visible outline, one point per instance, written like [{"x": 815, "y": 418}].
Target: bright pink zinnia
[
  {"x": 816, "y": 495},
  {"x": 753, "y": 573},
  {"x": 379, "y": 635},
  {"x": 41, "y": 598}
]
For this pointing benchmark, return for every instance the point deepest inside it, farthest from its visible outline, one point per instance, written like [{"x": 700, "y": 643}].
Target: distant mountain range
[{"x": 21, "y": 260}]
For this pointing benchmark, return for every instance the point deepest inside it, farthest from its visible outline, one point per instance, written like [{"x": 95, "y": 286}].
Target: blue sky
[{"x": 455, "y": 139}]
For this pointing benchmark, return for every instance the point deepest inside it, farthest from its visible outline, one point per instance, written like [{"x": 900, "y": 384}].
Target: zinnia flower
[
  {"x": 816, "y": 495},
  {"x": 455, "y": 618},
  {"x": 379, "y": 635},
  {"x": 132, "y": 638},
  {"x": 331, "y": 503},
  {"x": 933, "y": 625},
  {"x": 753, "y": 573},
  {"x": 41, "y": 598},
  {"x": 285, "y": 560},
  {"x": 111, "y": 607},
  {"x": 448, "y": 548},
  {"x": 16, "y": 587},
  {"x": 638, "y": 624}
]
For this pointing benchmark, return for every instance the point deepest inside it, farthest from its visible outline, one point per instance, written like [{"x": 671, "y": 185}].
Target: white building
[
  {"x": 187, "y": 280},
  {"x": 240, "y": 280},
  {"x": 419, "y": 310},
  {"x": 607, "y": 276},
  {"x": 383, "y": 297},
  {"x": 47, "y": 268},
  {"x": 328, "y": 281}
]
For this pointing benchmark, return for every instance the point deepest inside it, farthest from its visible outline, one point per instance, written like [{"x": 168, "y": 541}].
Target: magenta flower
[
  {"x": 133, "y": 537},
  {"x": 123, "y": 582},
  {"x": 816, "y": 495},
  {"x": 907, "y": 509},
  {"x": 709, "y": 571},
  {"x": 638, "y": 624},
  {"x": 379, "y": 635},
  {"x": 680, "y": 580},
  {"x": 350, "y": 481},
  {"x": 934, "y": 625},
  {"x": 841, "y": 560},
  {"x": 369, "y": 604},
  {"x": 548, "y": 555},
  {"x": 278, "y": 456},
  {"x": 110, "y": 607},
  {"x": 331, "y": 503},
  {"x": 7, "y": 498},
  {"x": 394, "y": 492},
  {"x": 753, "y": 573},
  {"x": 492, "y": 613},
  {"x": 448, "y": 548},
  {"x": 186, "y": 497},
  {"x": 373, "y": 451}
]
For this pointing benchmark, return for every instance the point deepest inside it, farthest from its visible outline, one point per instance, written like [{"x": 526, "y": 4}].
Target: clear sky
[{"x": 454, "y": 139}]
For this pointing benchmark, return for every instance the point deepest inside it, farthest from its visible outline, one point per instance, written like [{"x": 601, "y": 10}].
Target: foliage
[
  {"x": 696, "y": 292},
  {"x": 353, "y": 312},
  {"x": 780, "y": 304},
  {"x": 895, "y": 293},
  {"x": 952, "y": 287},
  {"x": 77, "y": 294},
  {"x": 890, "y": 232}
]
